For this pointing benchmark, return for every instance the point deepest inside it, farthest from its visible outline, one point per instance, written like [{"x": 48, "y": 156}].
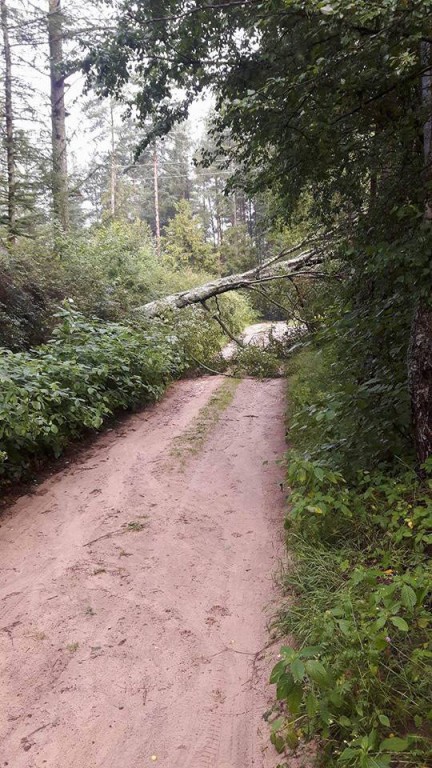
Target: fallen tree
[{"x": 275, "y": 268}]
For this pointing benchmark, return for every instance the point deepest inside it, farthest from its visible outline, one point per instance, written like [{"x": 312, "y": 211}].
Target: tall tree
[
  {"x": 9, "y": 120},
  {"x": 60, "y": 189},
  {"x": 420, "y": 352}
]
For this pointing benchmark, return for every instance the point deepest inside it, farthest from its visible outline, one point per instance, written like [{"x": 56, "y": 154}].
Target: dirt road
[{"x": 134, "y": 592}]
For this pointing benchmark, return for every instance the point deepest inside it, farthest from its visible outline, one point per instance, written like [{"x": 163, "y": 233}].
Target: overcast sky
[{"x": 31, "y": 66}]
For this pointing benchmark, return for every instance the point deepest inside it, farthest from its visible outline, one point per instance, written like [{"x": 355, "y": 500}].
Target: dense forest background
[{"x": 79, "y": 207}]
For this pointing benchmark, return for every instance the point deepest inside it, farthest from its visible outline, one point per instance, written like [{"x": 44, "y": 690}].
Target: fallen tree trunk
[{"x": 272, "y": 269}]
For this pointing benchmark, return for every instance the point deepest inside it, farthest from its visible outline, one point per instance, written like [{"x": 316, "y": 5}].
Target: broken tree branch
[
  {"x": 217, "y": 316},
  {"x": 271, "y": 269}
]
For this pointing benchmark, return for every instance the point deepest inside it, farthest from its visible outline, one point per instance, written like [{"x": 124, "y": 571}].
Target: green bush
[
  {"x": 92, "y": 369},
  {"x": 106, "y": 271},
  {"x": 360, "y": 589},
  {"x": 88, "y": 371},
  {"x": 347, "y": 422},
  {"x": 254, "y": 361}
]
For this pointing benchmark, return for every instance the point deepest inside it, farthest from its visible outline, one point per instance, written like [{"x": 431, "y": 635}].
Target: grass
[
  {"x": 135, "y": 525},
  {"x": 190, "y": 442}
]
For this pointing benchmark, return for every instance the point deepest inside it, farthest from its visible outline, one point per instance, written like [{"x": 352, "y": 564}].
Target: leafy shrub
[
  {"x": 254, "y": 361},
  {"x": 360, "y": 592},
  {"x": 346, "y": 422},
  {"x": 88, "y": 371},
  {"x": 117, "y": 260}
]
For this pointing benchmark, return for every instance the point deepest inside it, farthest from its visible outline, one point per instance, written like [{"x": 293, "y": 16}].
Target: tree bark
[
  {"x": 420, "y": 376},
  {"x": 9, "y": 120},
  {"x": 60, "y": 190},
  {"x": 113, "y": 174},
  {"x": 272, "y": 269},
  {"x": 420, "y": 348},
  {"x": 156, "y": 201}
]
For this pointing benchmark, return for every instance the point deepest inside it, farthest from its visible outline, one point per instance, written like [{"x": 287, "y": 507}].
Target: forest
[{"x": 172, "y": 171}]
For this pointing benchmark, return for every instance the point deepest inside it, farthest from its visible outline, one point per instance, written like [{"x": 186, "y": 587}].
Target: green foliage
[
  {"x": 357, "y": 405},
  {"x": 184, "y": 243},
  {"x": 87, "y": 372},
  {"x": 360, "y": 595},
  {"x": 107, "y": 272},
  {"x": 237, "y": 251},
  {"x": 362, "y": 58},
  {"x": 255, "y": 361}
]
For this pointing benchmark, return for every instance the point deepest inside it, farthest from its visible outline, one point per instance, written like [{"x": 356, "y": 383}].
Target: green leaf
[
  {"x": 345, "y": 722},
  {"x": 348, "y": 754},
  {"x": 294, "y": 699},
  {"x": 384, "y": 720},
  {"x": 309, "y": 650},
  {"x": 345, "y": 627},
  {"x": 311, "y": 705},
  {"x": 298, "y": 670},
  {"x": 408, "y": 596},
  {"x": 318, "y": 673},
  {"x": 400, "y": 623},
  {"x": 394, "y": 744},
  {"x": 369, "y": 761},
  {"x": 277, "y": 671},
  {"x": 277, "y": 742},
  {"x": 277, "y": 724}
]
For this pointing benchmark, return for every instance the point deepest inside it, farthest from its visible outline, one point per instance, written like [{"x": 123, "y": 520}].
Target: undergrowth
[
  {"x": 257, "y": 362},
  {"x": 86, "y": 373},
  {"x": 358, "y": 676}
]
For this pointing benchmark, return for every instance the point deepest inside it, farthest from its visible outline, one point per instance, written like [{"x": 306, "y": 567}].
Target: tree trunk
[
  {"x": 272, "y": 269},
  {"x": 219, "y": 234},
  {"x": 113, "y": 174},
  {"x": 420, "y": 376},
  {"x": 60, "y": 190},
  {"x": 156, "y": 201},
  {"x": 9, "y": 120},
  {"x": 420, "y": 348}
]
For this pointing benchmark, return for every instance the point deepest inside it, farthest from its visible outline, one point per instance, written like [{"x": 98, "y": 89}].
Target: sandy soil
[{"x": 135, "y": 594}]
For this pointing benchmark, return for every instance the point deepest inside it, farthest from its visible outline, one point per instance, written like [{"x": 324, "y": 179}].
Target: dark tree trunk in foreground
[
  {"x": 60, "y": 190},
  {"x": 420, "y": 374},
  {"x": 420, "y": 349},
  {"x": 9, "y": 124}
]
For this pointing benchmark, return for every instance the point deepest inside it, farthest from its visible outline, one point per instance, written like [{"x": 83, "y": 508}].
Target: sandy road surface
[{"x": 143, "y": 643}]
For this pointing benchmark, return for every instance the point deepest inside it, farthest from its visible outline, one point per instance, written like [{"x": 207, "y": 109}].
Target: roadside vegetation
[
  {"x": 74, "y": 354},
  {"x": 358, "y": 676}
]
